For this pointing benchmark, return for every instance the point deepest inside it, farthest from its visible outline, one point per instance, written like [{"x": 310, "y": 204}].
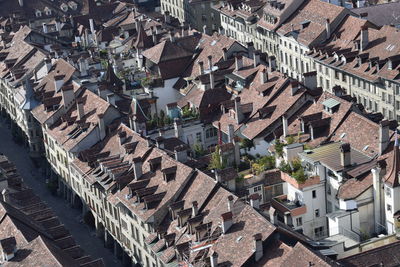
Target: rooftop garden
[{"x": 295, "y": 170}]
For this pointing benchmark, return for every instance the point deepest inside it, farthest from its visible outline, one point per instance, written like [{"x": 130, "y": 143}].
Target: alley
[{"x": 71, "y": 218}]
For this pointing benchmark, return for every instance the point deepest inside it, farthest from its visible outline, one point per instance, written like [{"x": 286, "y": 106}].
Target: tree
[
  {"x": 279, "y": 147},
  {"x": 247, "y": 144},
  {"x": 198, "y": 150},
  {"x": 217, "y": 162}
]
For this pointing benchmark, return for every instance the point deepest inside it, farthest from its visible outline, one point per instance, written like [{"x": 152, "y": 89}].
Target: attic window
[
  {"x": 366, "y": 147},
  {"x": 331, "y": 105},
  {"x": 155, "y": 164},
  {"x": 64, "y": 7},
  {"x": 304, "y": 24},
  {"x": 38, "y": 13}
]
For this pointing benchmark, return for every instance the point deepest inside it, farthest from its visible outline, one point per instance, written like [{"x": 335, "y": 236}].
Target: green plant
[
  {"x": 198, "y": 150},
  {"x": 146, "y": 81},
  {"x": 294, "y": 169},
  {"x": 279, "y": 147},
  {"x": 290, "y": 140},
  {"x": 247, "y": 144},
  {"x": 217, "y": 162},
  {"x": 189, "y": 112}
]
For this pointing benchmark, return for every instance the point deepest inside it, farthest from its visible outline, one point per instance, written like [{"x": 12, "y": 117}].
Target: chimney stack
[
  {"x": 210, "y": 65},
  {"x": 285, "y": 125},
  {"x": 181, "y": 153},
  {"x": 137, "y": 168},
  {"x": 256, "y": 58},
  {"x": 121, "y": 138},
  {"x": 383, "y": 136},
  {"x": 345, "y": 155},
  {"x": 79, "y": 108},
  {"x": 231, "y": 133},
  {"x": 58, "y": 82},
  {"x": 214, "y": 259},
  {"x": 212, "y": 81},
  {"x": 102, "y": 126},
  {"x": 167, "y": 17},
  {"x": 230, "y": 202},
  {"x": 195, "y": 209},
  {"x": 238, "y": 62},
  {"x": 171, "y": 36},
  {"x": 201, "y": 67},
  {"x": 255, "y": 200},
  {"x": 225, "y": 53},
  {"x": 154, "y": 35},
  {"x": 264, "y": 76},
  {"x": 364, "y": 38},
  {"x": 328, "y": 28},
  {"x": 68, "y": 96},
  {"x": 258, "y": 246},
  {"x": 21, "y": 3},
  {"x": 111, "y": 99},
  {"x": 178, "y": 129},
  {"x": 6, "y": 195},
  {"x": 227, "y": 221},
  {"x": 310, "y": 80},
  {"x": 238, "y": 111}
]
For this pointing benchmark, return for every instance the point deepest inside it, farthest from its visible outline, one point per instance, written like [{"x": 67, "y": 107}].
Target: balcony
[{"x": 287, "y": 209}]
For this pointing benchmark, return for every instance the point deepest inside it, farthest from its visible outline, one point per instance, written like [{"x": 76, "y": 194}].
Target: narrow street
[{"x": 71, "y": 218}]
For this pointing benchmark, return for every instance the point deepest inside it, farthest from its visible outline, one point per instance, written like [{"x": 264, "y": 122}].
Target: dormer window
[
  {"x": 155, "y": 164},
  {"x": 47, "y": 11},
  {"x": 38, "y": 13},
  {"x": 64, "y": 7},
  {"x": 331, "y": 105},
  {"x": 169, "y": 173},
  {"x": 72, "y": 5}
]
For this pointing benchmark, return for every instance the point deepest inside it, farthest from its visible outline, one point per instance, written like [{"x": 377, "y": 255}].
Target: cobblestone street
[{"x": 71, "y": 218}]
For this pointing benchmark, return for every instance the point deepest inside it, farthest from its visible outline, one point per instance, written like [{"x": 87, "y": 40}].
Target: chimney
[
  {"x": 227, "y": 221},
  {"x": 272, "y": 215},
  {"x": 264, "y": 76},
  {"x": 83, "y": 67},
  {"x": 256, "y": 58},
  {"x": 6, "y": 195},
  {"x": 21, "y": 3},
  {"x": 295, "y": 86},
  {"x": 167, "y": 17},
  {"x": 345, "y": 155},
  {"x": 310, "y": 80},
  {"x": 214, "y": 259},
  {"x": 195, "y": 209},
  {"x": 137, "y": 167},
  {"x": 45, "y": 28},
  {"x": 171, "y": 36},
  {"x": 102, "y": 126},
  {"x": 111, "y": 99},
  {"x": 377, "y": 188},
  {"x": 160, "y": 142},
  {"x": 79, "y": 109},
  {"x": 210, "y": 65},
  {"x": 258, "y": 247},
  {"x": 154, "y": 35},
  {"x": 364, "y": 38},
  {"x": 285, "y": 125},
  {"x": 328, "y": 28},
  {"x": 272, "y": 62},
  {"x": 48, "y": 65},
  {"x": 91, "y": 23},
  {"x": 231, "y": 133},
  {"x": 250, "y": 49},
  {"x": 238, "y": 111},
  {"x": 121, "y": 138},
  {"x": 201, "y": 67},
  {"x": 230, "y": 203},
  {"x": 238, "y": 62},
  {"x": 58, "y": 25},
  {"x": 205, "y": 29},
  {"x": 181, "y": 153},
  {"x": 178, "y": 129},
  {"x": 255, "y": 200},
  {"x": 212, "y": 81},
  {"x": 225, "y": 53},
  {"x": 383, "y": 136},
  {"x": 68, "y": 96},
  {"x": 58, "y": 82},
  {"x": 221, "y": 30}
]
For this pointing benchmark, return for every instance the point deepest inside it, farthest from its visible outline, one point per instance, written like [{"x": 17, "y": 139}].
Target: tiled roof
[
  {"x": 316, "y": 13},
  {"x": 302, "y": 256}
]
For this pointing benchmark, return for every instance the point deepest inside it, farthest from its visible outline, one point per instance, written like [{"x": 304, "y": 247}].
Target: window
[
  {"x": 388, "y": 207},
  {"x": 198, "y": 137},
  {"x": 211, "y": 132},
  {"x": 317, "y": 213},
  {"x": 319, "y": 232},
  {"x": 314, "y": 194},
  {"x": 257, "y": 188},
  {"x": 388, "y": 192},
  {"x": 299, "y": 221}
]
